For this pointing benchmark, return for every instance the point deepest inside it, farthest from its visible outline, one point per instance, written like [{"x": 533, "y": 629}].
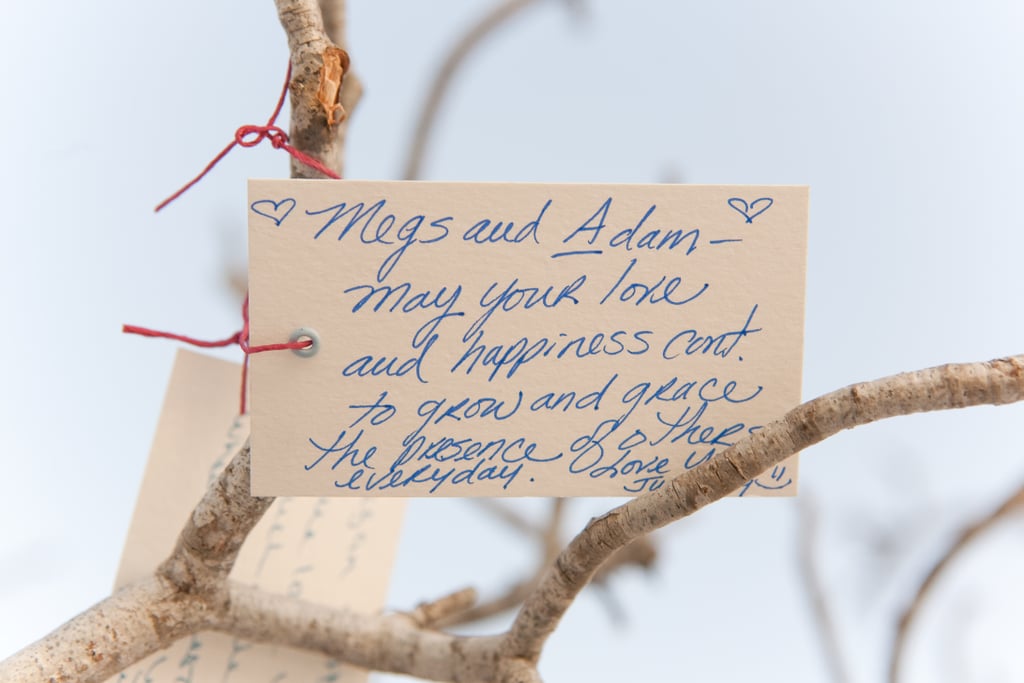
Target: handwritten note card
[
  {"x": 519, "y": 339},
  {"x": 330, "y": 551}
]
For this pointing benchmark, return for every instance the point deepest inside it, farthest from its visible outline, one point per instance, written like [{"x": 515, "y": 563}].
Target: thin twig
[
  {"x": 430, "y": 614},
  {"x": 512, "y": 598},
  {"x": 1010, "y": 506}
]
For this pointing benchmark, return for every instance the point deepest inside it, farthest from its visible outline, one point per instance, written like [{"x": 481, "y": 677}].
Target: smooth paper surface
[
  {"x": 333, "y": 552},
  {"x": 519, "y": 339}
]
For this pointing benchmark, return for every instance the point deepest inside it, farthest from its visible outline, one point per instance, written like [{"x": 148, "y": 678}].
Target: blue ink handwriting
[
  {"x": 691, "y": 341},
  {"x": 513, "y": 297},
  {"x": 488, "y": 231},
  {"x": 375, "y": 226},
  {"x": 578, "y": 252},
  {"x": 652, "y": 240},
  {"x": 515, "y": 355},
  {"x": 378, "y": 412},
  {"x": 637, "y": 293},
  {"x": 392, "y": 366},
  {"x": 418, "y": 301}
]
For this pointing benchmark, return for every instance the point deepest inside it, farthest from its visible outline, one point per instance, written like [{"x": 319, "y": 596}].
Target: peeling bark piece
[{"x": 336, "y": 62}]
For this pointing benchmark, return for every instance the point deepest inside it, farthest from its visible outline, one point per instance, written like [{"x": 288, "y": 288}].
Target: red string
[
  {"x": 241, "y": 338},
  {"x": 146, "y": 332},
  {"x": 278, "y": 139}
]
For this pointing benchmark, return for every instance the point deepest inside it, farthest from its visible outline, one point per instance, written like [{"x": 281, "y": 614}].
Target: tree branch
[
  {"x": 394, "y": 643},
  {"x": 208, "y": 545},
  {"x": 109, "y": 636},
  {"x": 179, "y": 600},
  {"x": 945, "y": 387},
  {"x": 320, "y": 100}
]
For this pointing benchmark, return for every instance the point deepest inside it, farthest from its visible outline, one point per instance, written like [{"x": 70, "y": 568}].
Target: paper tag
[
  {"x": 519, "y": 339},
  {"x": 333, "y": 552}
]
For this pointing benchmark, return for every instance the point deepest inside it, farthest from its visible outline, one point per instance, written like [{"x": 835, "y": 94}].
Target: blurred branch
[
  {"x": 808, "y": 535},
  {"x": 1010, "y": 506},
  {"x": 484, "y": 27}
]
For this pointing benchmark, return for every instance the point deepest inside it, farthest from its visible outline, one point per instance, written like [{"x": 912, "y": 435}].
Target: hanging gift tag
[
  {"x": 518, "y": 339},
  {"x": 332, "y": 552}
]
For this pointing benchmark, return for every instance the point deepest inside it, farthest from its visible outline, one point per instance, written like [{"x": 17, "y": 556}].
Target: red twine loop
[
  {"x": 278, "y": 139},
  {"x": 241, "y": 338}
]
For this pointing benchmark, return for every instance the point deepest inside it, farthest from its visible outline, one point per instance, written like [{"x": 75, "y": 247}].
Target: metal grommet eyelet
[{"x": 306, "y": 333}]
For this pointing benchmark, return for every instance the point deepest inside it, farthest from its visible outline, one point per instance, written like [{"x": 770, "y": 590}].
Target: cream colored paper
[
  {"x": 333, "y": 552},
  {"x": 519, "y": 339}
]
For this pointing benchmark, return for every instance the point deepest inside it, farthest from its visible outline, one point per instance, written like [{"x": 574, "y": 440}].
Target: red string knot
[{"x": 250, "y": 136}]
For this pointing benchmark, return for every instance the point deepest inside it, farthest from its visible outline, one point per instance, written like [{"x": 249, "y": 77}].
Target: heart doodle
[
  {"x": 275, "y": 211},
  {"x": 750, "y": 211}
]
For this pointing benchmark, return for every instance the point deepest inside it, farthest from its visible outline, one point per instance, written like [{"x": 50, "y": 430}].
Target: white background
[{"x": 904, "y": 118}]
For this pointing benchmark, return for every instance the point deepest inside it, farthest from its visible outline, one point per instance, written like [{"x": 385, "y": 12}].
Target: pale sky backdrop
[{"x": 903, "y": 117}]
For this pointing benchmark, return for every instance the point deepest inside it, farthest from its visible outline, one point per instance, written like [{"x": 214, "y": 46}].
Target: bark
[
  {"x": 484, "y": 27},
  {"x": 208, "y": 545},
  {"x": 110, "y": 636},
  {"x": 394, "y": 643}
]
